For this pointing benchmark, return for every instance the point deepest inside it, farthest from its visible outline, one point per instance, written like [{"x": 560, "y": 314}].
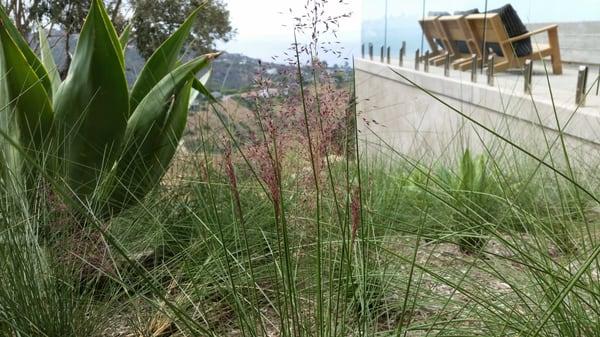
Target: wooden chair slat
[{"x": 496, "y": 35}]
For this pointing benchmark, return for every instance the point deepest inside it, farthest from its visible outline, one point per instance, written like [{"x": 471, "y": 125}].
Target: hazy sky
[
  {"x": 529, "y": 10},
  {"x": 262, "y": 31}
]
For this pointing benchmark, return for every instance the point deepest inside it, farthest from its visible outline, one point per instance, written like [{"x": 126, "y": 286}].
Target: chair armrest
[{"x": 535, "y": 32}]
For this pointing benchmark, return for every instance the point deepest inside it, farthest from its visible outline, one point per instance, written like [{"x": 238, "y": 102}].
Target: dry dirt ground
[{"x": 438, "y": 298}]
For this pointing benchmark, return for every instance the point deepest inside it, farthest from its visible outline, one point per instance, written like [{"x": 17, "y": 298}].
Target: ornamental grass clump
[
  {"x": 474, "y": 202},
  {"x": 99, "y": 144}
]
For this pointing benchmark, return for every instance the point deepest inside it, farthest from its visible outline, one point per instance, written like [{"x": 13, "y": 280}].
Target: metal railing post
[
  {"x": 598, "y": 83},
  {"x": 371, "y": 51},
  {"x": 527, "y": 75},
  {"x": 447, "y": 64},
  {"x": 426, "y": 62},
  {"x": 389, "y": 54},
  {"x": 402, "y": 53},
  {"x": 582, "y": 77},
  {"x": 362, "y": 50},
  {"x": 490, "y": 69},
  {"x": 417, "y": 57},
  {"x": 474, "y": 68},
  {"x": 381, "y": 56}
]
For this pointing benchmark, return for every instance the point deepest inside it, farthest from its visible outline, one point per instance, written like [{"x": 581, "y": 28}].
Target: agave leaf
[
  {"x": 30, "y": 56},
  {"x": 145, "y": 163},
  {"x": 172, "y": 132},
  {"x": 198, "y": 86},
  {"x": 193, "y": 95},
  {"x": 154, "y": 104},
  {"x": 28, "y": 100},
  {"x": 152, "y": 136},
  {"x": 163, "y": 61},
  {"x": 204, "y": 78},
  {"x": 8, "y": 155},
  {"x": 25, "y": 115},
  {"x": 124, "y": 38},
  {"x": 92, "y": 104},
  {"x": 48, "y": 60},
  {"x": 112, "y": 33}
]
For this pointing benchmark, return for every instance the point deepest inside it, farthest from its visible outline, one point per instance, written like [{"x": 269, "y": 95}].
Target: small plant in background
[{"x": 472, "y": 192}]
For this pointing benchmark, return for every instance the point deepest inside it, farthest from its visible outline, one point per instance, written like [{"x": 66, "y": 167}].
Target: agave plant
[{"x": 104, "y": 145}]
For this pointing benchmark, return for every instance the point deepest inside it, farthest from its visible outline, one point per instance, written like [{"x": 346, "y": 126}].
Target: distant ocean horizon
[
  {"x": 400, "y": 29},
  {"x": 273, "y": 49}
]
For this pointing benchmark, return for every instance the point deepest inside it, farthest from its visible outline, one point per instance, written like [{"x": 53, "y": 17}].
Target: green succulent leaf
[
  {"x": 199, "y": 87},
  {"x": 172, "y": 132},
  {"x": 152, "y": 137},
  {"x": 154, "y": 105},
  {"x": 48, "y": 60},
  {"x": 163, "y": 61},
  {"x": 124, "y": 38},
  {"x": 8, "y": 155},
  {"x": 92, "y": 105},
  {"x": 27, "y": 103},
  {"x": 206, "y": 77},
  {"x": 112, "y": 33},
  {"x": 150, "y": 159},
  {"x": 23, "y": 46}
]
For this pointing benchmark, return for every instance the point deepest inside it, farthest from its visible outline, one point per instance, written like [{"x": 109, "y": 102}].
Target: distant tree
[
  {"x": 18, "y": 10},
  {"x": 154, "y": 20},
  {"x": 66, "y": 15},
  {"x": 69, "y": 16}
]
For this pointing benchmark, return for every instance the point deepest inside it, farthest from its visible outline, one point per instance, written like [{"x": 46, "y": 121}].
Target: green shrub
[{"x": 91, "y": 137}]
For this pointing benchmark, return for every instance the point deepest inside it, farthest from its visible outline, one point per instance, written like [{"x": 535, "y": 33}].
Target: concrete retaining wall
[{"x": 397, "y": 115}]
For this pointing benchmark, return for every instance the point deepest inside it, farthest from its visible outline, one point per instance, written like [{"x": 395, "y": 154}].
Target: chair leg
[
  {"x": 555, "y": 56},
  {"x": 556, "y": 62}
]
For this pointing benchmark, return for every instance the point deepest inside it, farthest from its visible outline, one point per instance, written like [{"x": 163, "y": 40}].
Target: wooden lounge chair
[
  {"x": 462, "y": 39},
  {"x": 436, "y": 38},
  {"x": 508, "y": 38}
]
